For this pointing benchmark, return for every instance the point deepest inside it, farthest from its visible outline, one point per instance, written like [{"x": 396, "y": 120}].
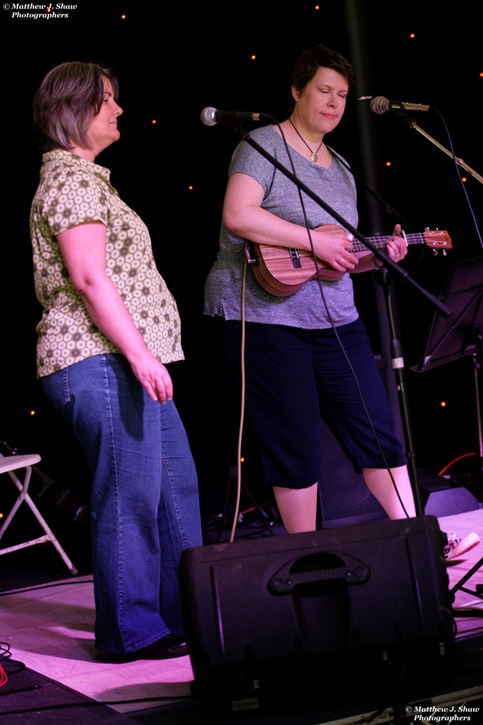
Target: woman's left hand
[{"x": 396, "y": 245}]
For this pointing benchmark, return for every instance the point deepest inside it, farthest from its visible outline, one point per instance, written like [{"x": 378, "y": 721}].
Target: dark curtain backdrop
[{"x": 172, "y": 61}]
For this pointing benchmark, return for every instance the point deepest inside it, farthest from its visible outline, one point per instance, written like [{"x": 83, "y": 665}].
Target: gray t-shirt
[{"x": 306, "y": 308}]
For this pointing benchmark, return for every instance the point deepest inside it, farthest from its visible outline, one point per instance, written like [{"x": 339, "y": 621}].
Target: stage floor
[{"x": 47, "y": 629}]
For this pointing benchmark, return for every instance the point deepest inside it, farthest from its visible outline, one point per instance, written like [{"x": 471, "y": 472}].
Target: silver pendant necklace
[{"x": 313, "y": 154}]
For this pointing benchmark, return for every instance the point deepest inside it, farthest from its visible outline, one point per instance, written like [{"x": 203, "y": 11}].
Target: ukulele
[{"x": 282, "y": 271}]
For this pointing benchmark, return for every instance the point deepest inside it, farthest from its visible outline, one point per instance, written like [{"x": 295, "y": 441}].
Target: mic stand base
[{"x": 459, "y": 586}]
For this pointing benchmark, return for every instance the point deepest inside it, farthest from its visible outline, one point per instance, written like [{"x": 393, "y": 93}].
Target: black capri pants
[{"x": 293, "y": 378}]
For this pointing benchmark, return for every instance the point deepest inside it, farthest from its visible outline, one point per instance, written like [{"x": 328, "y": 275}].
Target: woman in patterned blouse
[{"x": 109, "y": 326}]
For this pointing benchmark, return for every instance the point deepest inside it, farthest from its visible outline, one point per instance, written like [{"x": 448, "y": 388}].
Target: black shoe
[{"x": 165, "y": 648}]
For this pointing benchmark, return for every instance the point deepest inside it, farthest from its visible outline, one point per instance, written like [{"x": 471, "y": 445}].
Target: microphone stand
[
  {"x": 411, "y": 123},
  {"x": 382, "y": 278},
  {"x": 388, "y": 264}
]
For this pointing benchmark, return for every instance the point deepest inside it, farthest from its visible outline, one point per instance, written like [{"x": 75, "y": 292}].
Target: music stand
[
  {"x": 461, "y": 333},
  {"x": 459, "y": 336}
]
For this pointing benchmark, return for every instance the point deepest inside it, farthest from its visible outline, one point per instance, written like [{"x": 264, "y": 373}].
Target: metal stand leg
[{"x": 478, "y": 592}]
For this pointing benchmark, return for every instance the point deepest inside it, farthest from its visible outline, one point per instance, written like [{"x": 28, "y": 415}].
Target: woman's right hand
[
  {"x": 153, "y": 376},
  {"x": 333, "y": 245}
]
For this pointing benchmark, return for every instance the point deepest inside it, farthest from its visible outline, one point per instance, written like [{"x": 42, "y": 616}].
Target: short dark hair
[
  {"x": 319, "y": 56},
  {"x": 68, "y": 98}
]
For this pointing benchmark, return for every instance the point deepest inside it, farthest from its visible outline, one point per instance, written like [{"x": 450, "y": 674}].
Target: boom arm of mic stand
[
  {"x": 408, "y": 121},
  {"x": 386, "y": 261}
]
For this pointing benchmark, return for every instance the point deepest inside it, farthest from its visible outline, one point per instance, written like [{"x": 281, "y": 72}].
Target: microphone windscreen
[
  {"x": 379, "y": 105},
  {"x": 208, "y": 116}
]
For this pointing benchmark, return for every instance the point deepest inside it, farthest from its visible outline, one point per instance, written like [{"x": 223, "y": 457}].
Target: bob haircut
[
  {"x": 319, "y": 56},
  {"x": 68, "y": 98}
]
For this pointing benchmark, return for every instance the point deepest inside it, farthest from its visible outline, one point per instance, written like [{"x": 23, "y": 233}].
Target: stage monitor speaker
[
  {"x": 343, "y": 495},
  {"x": 442, "y": 497},
  {"x": 293, "y": 620}
]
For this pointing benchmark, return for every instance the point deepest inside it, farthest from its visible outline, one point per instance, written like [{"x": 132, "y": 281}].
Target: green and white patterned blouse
[{"x": 74, "y": 191}]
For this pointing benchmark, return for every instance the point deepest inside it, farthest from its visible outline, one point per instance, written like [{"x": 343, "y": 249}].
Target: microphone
[
  {"x": 211, "y": 116},
  {"x": 380, "y": 105}
]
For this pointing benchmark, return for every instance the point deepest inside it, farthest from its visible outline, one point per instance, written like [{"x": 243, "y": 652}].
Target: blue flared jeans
[{"x": 144, "y": 500}]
